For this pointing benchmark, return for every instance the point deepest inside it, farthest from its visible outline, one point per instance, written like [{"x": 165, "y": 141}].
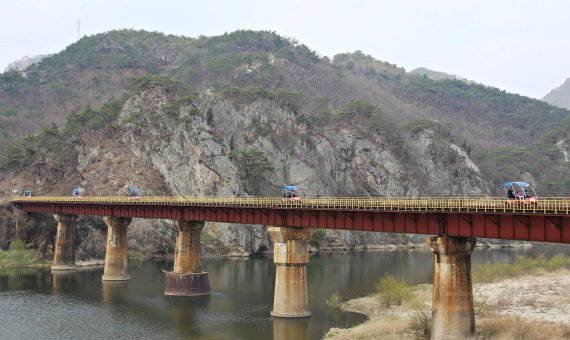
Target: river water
[{"x": 38, "y": 304}]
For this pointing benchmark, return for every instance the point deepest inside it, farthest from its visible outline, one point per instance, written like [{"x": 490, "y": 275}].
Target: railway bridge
[{"x": 453, "y": 224}]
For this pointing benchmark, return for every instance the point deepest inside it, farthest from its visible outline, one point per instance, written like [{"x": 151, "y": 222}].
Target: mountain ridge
[{"x": 244, "y": 112}]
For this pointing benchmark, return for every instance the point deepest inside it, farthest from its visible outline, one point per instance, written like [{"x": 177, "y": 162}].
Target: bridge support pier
[
  {"x": 453, "y": 316},
  {"x": 116, "y": 261},
  {"x": 187, "y": 278},
  {"x": 291, "y": 255},
  {"x": 64, "y": 252}
]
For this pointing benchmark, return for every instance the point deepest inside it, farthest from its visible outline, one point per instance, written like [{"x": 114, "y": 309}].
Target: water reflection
[
  {"x": 113, "y": 292},
  {"x": 24, "y": 279},
  {"x": 290, "y": 328},
  {"x": 183, "y": 312},
  {"x": 79, "y": 305},
  {"x": 62, "y": 280}
]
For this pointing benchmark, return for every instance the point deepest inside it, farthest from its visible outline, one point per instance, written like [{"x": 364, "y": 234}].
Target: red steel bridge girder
[{"x": 528, "y": 227}]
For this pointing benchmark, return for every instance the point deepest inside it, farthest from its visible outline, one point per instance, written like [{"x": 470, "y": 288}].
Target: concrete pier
[
  {"x": 453, "y": 316},
  {"x": 116, "y": 260},
  {"x": 64, "y": 252},
  {"x": 291, "y": 255},
  {"x": 187, "y": 278}
]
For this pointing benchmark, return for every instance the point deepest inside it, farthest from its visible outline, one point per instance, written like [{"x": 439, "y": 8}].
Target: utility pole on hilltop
[{"x": 78, "y": 29}]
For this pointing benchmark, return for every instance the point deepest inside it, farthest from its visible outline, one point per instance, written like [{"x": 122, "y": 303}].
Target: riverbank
[
  {"x": 532, "y": 306},
  {"x": 20, "y": 257}
]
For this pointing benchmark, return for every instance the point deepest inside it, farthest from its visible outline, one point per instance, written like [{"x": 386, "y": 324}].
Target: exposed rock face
[
  {"x": 560, "y": 96},
  {"x": 564, "y": 147},
  {"x": 193, "y": 156},
  {"x": 22, "y": 64},
  {"x": 192, "y": 151},
  {"x": 448, "y": 170}
]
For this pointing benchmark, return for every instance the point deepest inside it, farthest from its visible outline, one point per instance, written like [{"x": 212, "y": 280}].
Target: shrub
[
  {"x": 22, "y": 152},
  {"x": 17, "y": 245},
  {"x": 416, "y": 125},
  {"x": 318, "y": 237},
  {"x": 392, "y": 291},
  {"x": 359, "y": 108},
  {"x": 137, "y": 256},
  {"x": 145, "y": 82},
  {"x": 247, "y": 95},
  {"x": 420, "y": 323},
  {"x": 253, "y": 165},
  {"x": 90, "y": 118},
  {"x": 8, "y": 113},
  {"x": 335, "y": 301}
]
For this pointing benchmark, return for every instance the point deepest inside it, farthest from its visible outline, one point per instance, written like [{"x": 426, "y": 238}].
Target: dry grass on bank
[
  {"x": 533, "y": 306},
  {"x": 523, "y": 265},
  {"x": 383, "y": 323},
  {"x": 379, "y": 326},
  {"x": 516, "y": 328}
]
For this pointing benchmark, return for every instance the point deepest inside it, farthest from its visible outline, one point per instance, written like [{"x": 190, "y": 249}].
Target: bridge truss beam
[{"x": 509, "y": 226}]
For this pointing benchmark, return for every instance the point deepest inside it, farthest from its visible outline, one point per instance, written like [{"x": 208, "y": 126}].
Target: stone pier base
[
  {"x": 64, "y": 252},
  {"x": 116, "y": 260},
  {"x": 187, "y": 278},
  {"x": 453, "y": 316},
  {"x": 291, "y": 255},
  {"x": 186, "y": 284}
]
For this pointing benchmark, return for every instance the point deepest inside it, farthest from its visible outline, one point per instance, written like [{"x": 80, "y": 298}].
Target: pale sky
[{"x": 519, "y": 46}]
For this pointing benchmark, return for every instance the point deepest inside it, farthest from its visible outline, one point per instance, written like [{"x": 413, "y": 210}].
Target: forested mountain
[
  {"x": 560, "y": 96},
  {"x": 508, "y": 135},
  {"x": 244, "y": 112}
]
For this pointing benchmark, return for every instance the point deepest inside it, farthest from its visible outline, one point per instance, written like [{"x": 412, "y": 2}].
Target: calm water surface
[{"x": 38, "y": 304}]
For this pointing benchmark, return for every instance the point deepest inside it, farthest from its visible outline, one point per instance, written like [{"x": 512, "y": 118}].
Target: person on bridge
[
  {"x": 526, "y": 194},
  {"x": 510, "y": 193}
]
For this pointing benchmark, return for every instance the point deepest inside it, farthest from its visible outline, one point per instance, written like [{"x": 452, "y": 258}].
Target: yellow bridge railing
[{"x": 549, "y": 205}]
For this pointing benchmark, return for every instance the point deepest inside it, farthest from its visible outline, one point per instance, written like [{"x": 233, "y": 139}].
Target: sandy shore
[
  {"x": 538, "y": 306},
  {"x": 543, "y": 297}
]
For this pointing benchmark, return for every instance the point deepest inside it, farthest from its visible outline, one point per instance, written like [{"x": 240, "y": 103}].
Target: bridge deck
[
  {"x": 547, "y": 220},
  {"x": 545, "y": 206}
]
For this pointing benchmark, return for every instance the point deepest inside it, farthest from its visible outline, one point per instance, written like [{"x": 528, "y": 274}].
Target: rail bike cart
[
  {"x": 134, "y": 193},
  {"x": 26, "y": 193},
  {"x": 290, "y": 193},
  {"x": 78, "y": 192},
  {"x": 520, "y": 193}
]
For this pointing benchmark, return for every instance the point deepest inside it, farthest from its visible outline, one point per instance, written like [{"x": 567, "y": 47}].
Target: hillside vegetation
[{"x": 83, "y": 88}]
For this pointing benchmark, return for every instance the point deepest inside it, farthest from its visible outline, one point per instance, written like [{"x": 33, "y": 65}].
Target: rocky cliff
[{"x": 199, "y": 149}]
